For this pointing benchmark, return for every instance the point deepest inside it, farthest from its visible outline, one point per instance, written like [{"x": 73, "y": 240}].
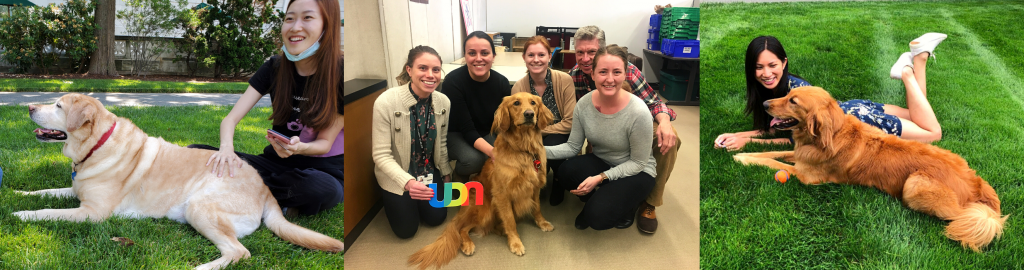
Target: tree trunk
[{"x": 102, "y": 61}]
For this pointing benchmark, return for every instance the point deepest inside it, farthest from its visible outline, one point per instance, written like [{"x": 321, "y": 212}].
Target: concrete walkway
[{"x": 130, "y": 99}]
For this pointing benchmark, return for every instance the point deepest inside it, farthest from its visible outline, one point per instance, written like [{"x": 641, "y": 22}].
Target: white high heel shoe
[
  {"x": 926, "y": 43},
  {"x": 906, "y": 60}
]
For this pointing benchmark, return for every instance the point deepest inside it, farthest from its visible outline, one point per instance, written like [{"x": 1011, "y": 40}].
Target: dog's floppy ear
[
  {"x": 502, "y": 119},
  {"x": 544, "y": 116},
  {"x": 79, "y": 112},
  {"x": 827, "y": 119}
]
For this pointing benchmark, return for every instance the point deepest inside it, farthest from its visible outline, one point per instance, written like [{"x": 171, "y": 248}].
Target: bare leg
[
  {"x": 920, "y": 64},
  {"x": 921, "y": 124}
]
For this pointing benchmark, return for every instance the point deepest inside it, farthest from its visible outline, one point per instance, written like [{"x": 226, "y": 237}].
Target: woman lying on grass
[{"x": 768, "y": 77}]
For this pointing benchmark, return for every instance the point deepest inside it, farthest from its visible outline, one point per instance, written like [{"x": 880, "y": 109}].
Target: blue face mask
[{"x": 305, "y": 54}]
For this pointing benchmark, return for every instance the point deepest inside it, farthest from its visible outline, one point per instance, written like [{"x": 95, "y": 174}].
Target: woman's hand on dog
[
  {"x": 224, "y": 159},
  {"x": 418, "y": 191},
  {"x": 587, "y": 186}
]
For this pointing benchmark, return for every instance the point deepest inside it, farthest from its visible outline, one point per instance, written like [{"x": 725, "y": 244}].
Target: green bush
[
  {"x": 232, "y": 36},
  {"x": 37, "y": 36}
]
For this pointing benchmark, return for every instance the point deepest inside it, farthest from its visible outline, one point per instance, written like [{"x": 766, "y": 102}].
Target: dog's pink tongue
[{"x": 774, "y": 121}]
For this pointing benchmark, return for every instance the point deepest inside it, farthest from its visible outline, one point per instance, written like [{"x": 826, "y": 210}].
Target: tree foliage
[
  {"x": 38, "y": 36},
  {"x": 147, "y": 22},
  {"x": 234, "y": 37}
]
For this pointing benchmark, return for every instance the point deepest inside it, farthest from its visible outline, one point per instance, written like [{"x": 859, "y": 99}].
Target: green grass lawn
[
  {"x": 748, "y": 220},
  {"x": 118, "y": 85},
  {"x": 159, "y": 243}
]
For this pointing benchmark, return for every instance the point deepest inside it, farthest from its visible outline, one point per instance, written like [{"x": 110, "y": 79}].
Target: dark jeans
[
  {"x": 405, "y": 214},
  {"x": 468, "y": 160},
  {"x": 308, "y": 190},
  {"x": 613, "y": 201}
]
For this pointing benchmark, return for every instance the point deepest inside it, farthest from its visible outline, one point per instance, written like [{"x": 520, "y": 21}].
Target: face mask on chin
[{"x": 304, "y": 54}]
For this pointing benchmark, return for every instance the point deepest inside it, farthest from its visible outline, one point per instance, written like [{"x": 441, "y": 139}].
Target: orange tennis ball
[{"x": 781, "y": 176}]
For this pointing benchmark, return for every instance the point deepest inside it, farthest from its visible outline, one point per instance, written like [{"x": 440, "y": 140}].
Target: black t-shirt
[
  {"x": 473, "y": 102},
  {"x": 263, "y": 82}
]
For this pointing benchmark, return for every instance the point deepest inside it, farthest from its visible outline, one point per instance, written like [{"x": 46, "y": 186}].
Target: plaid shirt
[{"x": 584, "y": 84}]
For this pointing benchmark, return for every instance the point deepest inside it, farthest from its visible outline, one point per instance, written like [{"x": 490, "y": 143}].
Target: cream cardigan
[
  {"x": 392, "y": 141},
  {"x": 565, "y": 97}
]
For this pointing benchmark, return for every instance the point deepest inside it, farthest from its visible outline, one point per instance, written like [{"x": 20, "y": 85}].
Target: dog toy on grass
[
  {"x": 782, "y": 176},
  {"x": 1, "y": 176}
]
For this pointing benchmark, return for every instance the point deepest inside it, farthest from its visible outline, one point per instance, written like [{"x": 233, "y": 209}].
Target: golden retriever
[
  {"x": 832, "y": 147},
  {"x": 122, "y": 171},
  {"x": 511, "y": 180}
]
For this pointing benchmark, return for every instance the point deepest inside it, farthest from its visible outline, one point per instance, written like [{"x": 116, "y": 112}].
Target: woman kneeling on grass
[
  {"x": 410, "y": 130},
  {"x": 618, "y": 125},
  {"x": 305, "y": 173},
  {"x": 768, "y": 77}
]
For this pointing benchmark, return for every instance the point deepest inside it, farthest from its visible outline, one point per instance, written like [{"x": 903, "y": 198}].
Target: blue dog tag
[{"x": 73, "y": 175}]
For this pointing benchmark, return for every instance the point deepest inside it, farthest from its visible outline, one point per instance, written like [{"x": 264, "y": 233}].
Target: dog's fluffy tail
[
  {"x": 976, "y": 226},
  {"x": 443, "y": 250},
  {"x": 295, "y": 234}
]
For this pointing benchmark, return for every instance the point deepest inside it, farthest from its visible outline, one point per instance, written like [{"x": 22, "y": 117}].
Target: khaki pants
[{"x": 664, "y": 163}]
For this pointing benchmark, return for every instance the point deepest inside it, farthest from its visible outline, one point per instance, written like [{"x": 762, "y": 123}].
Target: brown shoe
[{"x": 647, "y": 222}]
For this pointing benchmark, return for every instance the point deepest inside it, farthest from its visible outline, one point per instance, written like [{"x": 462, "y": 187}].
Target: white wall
[
  {"x": 364, "y": 54},
  {"x": 119, "y": 28},
  {"x": 624, "y": 22}
]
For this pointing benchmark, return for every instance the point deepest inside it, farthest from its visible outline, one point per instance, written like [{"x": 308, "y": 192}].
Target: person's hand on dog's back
[
  {"x": 224, "y": 159},
  {"x": 418, "y": 191}
]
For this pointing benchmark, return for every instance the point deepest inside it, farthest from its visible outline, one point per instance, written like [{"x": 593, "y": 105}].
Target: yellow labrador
[{"x": 119, "y": 170}]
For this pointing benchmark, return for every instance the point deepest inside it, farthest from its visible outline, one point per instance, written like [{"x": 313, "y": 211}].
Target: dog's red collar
[
  {"x": 536, "y": 164},
  {"x": 98, "y": 144}
]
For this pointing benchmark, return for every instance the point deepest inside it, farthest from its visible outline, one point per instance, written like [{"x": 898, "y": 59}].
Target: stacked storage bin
[
  {"x": 679, "y": 29},
  {"x": 654, "y": 33},
  {"x": 680, "y": 23}
]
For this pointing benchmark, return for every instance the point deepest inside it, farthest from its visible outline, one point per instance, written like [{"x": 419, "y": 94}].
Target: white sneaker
[
  {"x": 926, "y": 43},
  {"x": 906, "y": 60}
]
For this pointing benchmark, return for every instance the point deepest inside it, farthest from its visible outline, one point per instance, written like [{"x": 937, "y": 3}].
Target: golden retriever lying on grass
[
  {"x": 122, "y": 171},
  {"x": 832, "y": 147}
]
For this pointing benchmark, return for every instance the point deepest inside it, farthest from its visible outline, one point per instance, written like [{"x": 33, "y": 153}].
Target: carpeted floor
[{"x": 674, "y": 246}]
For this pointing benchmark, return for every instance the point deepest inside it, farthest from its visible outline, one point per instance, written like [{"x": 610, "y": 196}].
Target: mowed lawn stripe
[{"x": 751, "y": 221}]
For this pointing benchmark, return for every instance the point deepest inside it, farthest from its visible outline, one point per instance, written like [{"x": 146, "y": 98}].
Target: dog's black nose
[
  {"x": 528, "y": 114},
  {"x": 766, "y": 104}
]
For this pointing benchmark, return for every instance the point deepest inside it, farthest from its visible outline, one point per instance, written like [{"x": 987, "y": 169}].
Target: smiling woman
[{"x": 304, "y": 84}]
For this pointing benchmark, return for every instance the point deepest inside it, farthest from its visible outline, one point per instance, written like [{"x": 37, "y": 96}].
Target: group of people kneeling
[{"x": 416, "y": 130}]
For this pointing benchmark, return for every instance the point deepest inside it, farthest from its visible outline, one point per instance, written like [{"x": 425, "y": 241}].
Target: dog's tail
[
  {"x": 444, "y": 249},
  {"x": 295, "y": 234},
  {"x": 976, "y": 226}
]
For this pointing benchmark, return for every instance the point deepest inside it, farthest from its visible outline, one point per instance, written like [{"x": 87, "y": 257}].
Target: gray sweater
[{"x": 623, "y": 140}]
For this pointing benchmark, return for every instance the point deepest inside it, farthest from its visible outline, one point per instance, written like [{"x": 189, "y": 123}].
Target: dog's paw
[
  {"x": 517, "y": 248},
  {"x": 546, "y": 226},
  {"x": 25, "y": 215},
  {"x": 468, "y": 248}
]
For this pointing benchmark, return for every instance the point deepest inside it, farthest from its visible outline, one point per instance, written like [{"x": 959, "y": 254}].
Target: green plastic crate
[{"x": 674, "y": 86}]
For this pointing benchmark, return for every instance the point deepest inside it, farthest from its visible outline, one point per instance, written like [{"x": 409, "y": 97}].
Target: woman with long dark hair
[
  {"x": 768, "y": 77},
  {"x": 304, "y": 170}
]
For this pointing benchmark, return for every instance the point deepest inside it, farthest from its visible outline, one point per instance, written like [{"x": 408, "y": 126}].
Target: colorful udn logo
[{"x": 463, "y": 194}]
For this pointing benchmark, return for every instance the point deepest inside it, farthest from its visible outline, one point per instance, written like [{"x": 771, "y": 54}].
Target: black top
[
  {"x": 473, "y": 102},
  {"x": 263, "y": 82}
]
